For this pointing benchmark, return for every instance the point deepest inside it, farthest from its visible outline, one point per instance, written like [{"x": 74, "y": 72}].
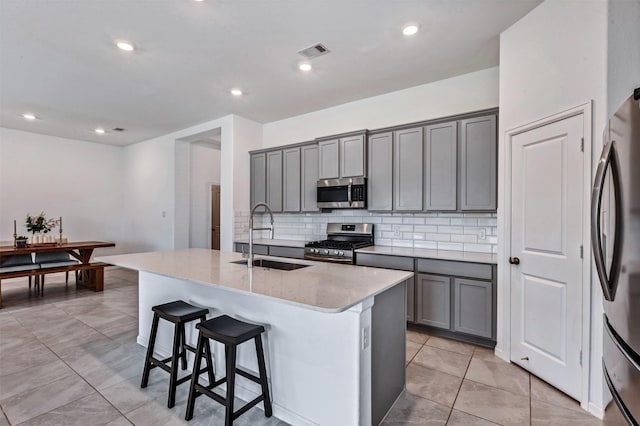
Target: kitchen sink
[{"x": 272, "y": 264}]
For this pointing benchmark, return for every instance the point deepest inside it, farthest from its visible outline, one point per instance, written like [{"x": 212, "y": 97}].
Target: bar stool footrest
[{"x": 248, "y": 375}]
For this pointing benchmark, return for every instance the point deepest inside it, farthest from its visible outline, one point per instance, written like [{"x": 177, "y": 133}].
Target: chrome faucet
[{"x": 251, "y": 229}]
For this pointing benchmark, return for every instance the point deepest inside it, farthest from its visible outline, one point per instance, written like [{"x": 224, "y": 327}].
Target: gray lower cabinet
[
  {"x": 433, "y": 293},
  {"x": 274, "y": 180},
  {"x": 472, "y": 307},
  {"x": 380, "y": 182},
  {"x": 352, "y": 156},
  {"x": 329, "y": 159},
  {"x": 478, "y": 164},
  {"x": 258, "y": 188},
  {"x": 257, "y": 248},
  {"x": 309, "y": 178},
  {"x": 291, "y": 179},
  {"x": 267, "y": 250},
  {"x": 393, "y": 262},
  {"x": 440, "y": 171},
  {"x": 407, "y": 169}
]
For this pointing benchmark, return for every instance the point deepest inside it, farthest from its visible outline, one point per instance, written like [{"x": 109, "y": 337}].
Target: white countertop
[
  {"x": 463, "y": 256},
  {"x": 279, "y": 243},
  {"x": 322, "y": 286}
]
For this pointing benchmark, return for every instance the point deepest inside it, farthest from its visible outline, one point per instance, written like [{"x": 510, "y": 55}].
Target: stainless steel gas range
[{"x": 342, "y": 240}]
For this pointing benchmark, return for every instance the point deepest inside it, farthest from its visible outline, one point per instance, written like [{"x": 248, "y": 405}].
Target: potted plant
[
  {"x": 39, "y": 224},
  {"x": 21, "y": 241}
]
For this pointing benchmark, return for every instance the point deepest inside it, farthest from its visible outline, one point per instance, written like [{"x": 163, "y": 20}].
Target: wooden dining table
[
  {"x": 91, "y": 274},
  {"x": 81, "y": 251}
]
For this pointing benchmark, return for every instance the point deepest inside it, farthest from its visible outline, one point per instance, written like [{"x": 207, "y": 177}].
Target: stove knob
[
  {"x": 325, "y": 251},
  {"x": 341, "y": 253}
]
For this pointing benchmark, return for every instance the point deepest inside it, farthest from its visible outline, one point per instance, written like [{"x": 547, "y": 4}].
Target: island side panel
[
  {"x": 388, "y": 343},
  {"x": 317, "y": 367}
]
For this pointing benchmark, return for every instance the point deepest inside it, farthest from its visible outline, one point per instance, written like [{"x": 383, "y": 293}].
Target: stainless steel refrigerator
[{"x": 615, "y": 237}]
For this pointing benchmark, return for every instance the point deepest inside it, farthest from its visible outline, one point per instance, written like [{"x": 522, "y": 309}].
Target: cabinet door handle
[{"x": 514, "y": 260}]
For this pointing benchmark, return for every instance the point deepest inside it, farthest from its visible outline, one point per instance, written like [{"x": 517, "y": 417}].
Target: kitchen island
[{"x": 335, "y": 340}]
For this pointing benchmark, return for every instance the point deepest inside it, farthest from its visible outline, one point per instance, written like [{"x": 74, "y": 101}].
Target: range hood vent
[{"x": 314, "y": 51}]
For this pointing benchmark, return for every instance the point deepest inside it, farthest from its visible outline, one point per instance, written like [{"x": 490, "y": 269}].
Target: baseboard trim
[{"x": 596, "y": 410}]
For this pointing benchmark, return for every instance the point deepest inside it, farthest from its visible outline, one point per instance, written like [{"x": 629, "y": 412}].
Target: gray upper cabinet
[
  {"x": 407, "y": 169},
  {"x": 291, "y": 179},
  {"x": 380, "y": 190},
  {"x": 352, "y": 156},
  {"x": 258, "y": 179},
  {"x": 329, "y": 159},
  {"x": 434, "y": 300},
  {"x": 309, "y": 178},
  {"x": 478, "y": 164},
  {"x": 274, "y": 180},
  {"x": 440, "y": 171},
  {"x": 473, "y": 307}
]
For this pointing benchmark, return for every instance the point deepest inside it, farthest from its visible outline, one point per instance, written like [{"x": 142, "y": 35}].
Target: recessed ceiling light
[
  {"x": 99, "y": 131},
  {"x": 305, "y": 67},
  {"x": 236, "y": 92},
  {"x": 125, "y": 45},
  {"x": 410, "y": 29},
  {"x": 28, "y": 116}
]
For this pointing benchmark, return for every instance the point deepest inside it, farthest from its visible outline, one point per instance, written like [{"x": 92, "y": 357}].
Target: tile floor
[{"x": 71, "y": 358}]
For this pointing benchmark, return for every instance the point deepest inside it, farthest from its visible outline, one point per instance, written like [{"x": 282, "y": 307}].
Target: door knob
[{"x": 514, "y": 260}]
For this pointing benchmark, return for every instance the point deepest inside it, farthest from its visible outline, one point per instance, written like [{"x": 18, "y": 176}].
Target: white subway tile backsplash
[
  {"x": 437, "y": 221},
  {"x": 480, "y": 248},
  {"x": 425, "y": 228},
  {"x": 402, "y": 243},
  {"x": 426, "y": 245},
  {"x": 492, "y": 221},
  {"x": 391, "y": 220},
  {"x": 437, "y": 237},
  {"x": 449, "y": 229},
  {"x": 443, "y": 231},
  {"x": 466, "y": 221},
  {"x": 463, "y": 238},
  {"x": 450, "y": 246}
]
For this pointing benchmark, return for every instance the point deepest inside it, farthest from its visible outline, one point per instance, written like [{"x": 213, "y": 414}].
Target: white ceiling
[{"x": 58, "y": 59}]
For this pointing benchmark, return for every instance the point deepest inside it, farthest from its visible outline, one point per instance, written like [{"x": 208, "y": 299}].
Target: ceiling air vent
[
  {"x": 314, "y": 51},
  {"x": 118, "y": 129}
]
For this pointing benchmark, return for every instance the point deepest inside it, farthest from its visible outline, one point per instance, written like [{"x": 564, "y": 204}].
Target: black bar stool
[
  {"x": 232, "y": 333},
  {"x": 179, "y": 313}
]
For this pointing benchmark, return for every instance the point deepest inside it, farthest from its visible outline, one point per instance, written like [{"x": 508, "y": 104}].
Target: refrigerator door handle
[{"x": 608, "y": 279}]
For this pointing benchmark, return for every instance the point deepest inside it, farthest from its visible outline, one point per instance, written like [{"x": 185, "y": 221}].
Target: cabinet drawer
[
  {"x": 381, "y": 261},
  {"x": 458, "y": 269},
  {"x": 257, "y": 248},
  {"x": 291, "y": 252}
]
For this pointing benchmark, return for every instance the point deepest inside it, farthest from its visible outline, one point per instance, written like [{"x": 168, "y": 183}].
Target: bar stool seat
[
  {"x": 231, "y": 332},
  {"x": 179, "y": 313}
]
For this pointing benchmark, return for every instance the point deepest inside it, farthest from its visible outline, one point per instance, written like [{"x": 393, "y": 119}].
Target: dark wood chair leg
[
  {"x": 231, "y": 383},
  {"x": 183, "y": 351},
  {"x": 193, "y": 393},
  {"x": 171, "y": 401},
  {"x": 263, "y": 377},
  {"x": 152, "y": 342}
]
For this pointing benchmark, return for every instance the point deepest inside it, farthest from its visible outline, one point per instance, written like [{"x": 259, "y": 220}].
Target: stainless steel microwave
[{"x": 345, "y": 193}]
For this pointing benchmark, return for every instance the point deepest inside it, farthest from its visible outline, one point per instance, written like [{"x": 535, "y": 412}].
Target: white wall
[
  {"x": 78, "y": 180},
  {"x": 205, "y": 171},
  {"x": 465, "y": 93},
  {"x": 551, "y": 60},
  {"x": 158, "y": 182}
]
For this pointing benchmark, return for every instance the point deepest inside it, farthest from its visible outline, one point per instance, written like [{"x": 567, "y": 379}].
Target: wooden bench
[{"x": 91, "y": 274}]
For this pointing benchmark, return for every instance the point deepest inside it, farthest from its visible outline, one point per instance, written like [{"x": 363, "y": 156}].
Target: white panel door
[{"x": 546, "y": 238}]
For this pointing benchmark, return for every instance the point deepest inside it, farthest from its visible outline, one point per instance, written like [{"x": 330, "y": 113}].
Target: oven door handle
[{"x": 328, "y": 259}]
